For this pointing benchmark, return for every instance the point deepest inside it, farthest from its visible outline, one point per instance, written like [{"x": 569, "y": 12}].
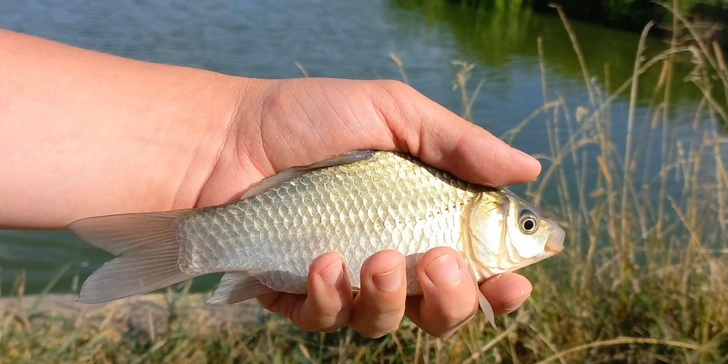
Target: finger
[
  {"x": 449, "y": 297},
  {"x": 443, "y": 139},
  {"x": 379, "y": 308},
  {"x": 506, "y": 292},
  {"x": 327, "y": 305}
]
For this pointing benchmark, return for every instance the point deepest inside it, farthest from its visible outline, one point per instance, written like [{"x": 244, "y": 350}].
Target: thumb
[{"x": 444, "y": 140}]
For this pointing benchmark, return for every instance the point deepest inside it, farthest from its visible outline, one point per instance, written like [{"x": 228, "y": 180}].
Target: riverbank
[
  {"x": 149, "y": 315},
  {"x": 710, "y": 18}
]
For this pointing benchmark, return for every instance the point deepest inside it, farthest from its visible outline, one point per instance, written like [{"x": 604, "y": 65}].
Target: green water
[{"x": 338, "y": 39}]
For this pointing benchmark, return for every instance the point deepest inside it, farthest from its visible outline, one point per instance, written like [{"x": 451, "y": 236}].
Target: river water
[{"x": 276, "y": 39}]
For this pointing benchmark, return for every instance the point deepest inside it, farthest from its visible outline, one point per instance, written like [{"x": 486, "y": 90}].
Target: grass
[{"x": 643, "y": 279}]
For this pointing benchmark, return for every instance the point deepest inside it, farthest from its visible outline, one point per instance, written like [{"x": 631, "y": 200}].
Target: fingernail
[
  {"x": 444, "y": 270},
  {"x": 390, "y": 281},
  {"x": 333, "y": 273}
]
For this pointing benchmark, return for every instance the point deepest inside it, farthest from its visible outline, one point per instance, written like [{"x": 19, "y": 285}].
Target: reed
[{"x": 643, "y": 279}]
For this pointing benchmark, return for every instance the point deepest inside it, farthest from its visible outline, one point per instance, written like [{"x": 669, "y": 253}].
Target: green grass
[
  {"x": 643, "y": 278},
  {"x": 622, "y": 14}
]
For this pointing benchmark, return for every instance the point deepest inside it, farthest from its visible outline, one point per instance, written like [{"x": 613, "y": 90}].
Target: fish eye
[{"x": 528, "y": 222}]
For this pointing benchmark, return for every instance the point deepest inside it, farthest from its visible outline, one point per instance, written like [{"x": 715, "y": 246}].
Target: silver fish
[{"x": 357, "y": 203}]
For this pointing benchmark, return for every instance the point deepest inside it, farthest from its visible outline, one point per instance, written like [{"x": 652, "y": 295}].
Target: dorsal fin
[{"x": 294, "y": 172}]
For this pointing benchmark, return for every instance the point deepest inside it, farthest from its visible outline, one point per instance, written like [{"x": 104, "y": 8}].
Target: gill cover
[{"x": 488, "y": 232}]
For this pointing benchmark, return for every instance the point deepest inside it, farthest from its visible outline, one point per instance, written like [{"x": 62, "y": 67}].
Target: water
[{"x": 332, "y": 39}]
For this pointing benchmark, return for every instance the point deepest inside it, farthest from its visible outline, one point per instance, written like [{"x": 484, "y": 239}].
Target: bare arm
[{"x": 126, "y": 135}]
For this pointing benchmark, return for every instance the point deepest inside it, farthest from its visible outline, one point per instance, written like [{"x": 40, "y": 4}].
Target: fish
[{"x": 356, "y": 203}]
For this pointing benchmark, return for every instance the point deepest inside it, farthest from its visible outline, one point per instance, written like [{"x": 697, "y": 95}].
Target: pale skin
[{"x": 85, "y": 134}]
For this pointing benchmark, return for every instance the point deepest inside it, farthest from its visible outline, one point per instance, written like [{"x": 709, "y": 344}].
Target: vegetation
[
  {"x": 644, "y": 278},
  {"x": 496, "y": 38},
  {"x": 629, "y": 15}
]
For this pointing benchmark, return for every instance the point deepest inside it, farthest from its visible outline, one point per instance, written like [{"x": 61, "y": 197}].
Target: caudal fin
[{"x": 147, "y": 246}]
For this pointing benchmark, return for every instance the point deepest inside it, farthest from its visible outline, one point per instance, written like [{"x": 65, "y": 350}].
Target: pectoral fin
[
  {"x": 487, "y": 309},
  {"x": 483, "y": 302}
]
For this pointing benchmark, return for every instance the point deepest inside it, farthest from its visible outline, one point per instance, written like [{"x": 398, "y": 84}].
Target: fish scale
[{"x": 385, "y": 203}]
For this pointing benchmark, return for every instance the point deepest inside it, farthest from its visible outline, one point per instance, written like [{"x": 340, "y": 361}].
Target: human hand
[
  {"x": 289, "y": 123},
  {"x": 168, "y": 141}
]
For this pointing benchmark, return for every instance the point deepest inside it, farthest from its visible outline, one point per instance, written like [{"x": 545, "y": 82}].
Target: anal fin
[{"x": 237, "y": 287}]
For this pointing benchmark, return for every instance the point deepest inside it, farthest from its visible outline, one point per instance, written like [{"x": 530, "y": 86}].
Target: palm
[{"x": 298, "y": 126}]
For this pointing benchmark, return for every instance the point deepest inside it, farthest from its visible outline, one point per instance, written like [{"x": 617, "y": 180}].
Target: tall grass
[{"x": 643, "y": 279}]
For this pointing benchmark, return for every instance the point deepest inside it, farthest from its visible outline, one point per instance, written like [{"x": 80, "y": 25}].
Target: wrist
[
  {"x": 234, "y": 145},
  {"x": 210, "y": 107}
]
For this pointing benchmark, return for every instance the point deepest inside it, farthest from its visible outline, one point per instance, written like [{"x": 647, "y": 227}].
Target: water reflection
[{"x": 499, "y": 38}]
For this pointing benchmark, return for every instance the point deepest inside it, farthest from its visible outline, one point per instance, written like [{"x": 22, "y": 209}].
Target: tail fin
[{"x": 147, "y": 246}]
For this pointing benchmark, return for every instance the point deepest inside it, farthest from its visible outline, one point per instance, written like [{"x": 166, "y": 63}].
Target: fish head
[{"x": 507, "y": 233}]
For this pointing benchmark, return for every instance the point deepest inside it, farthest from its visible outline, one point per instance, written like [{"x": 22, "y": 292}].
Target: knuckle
[
  {"x": 310, "y": 322},
  {"x": 325, "y": 304},
  {"x": 394, "y": 86},
  {"x": 446, "y": 322},
  {"x": 322, "y": 323},
  {"x": 270, "y": 303},
  {"x": 328, "y": 317},
  {"x": 450, "y": 318},
  {"x": 395, "y": 101},
  {"x": 442, "y": 333},
  {"x": 392, "y": 97},
  {"x": 374, "y": 332},
  {"x": 325, "y": 309},
  {"x": 306, "y": 326},
  {"x": 393, "y": 312},
  {"x": 376, "y": 325},
  {"x": 318, "y": 326},
  {"x": 331, "y": 329},
  {"x": 457, "y": 319}
]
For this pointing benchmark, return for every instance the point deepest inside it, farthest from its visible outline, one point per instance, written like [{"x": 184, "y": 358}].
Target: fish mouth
[{"x": 555, "y": 242}]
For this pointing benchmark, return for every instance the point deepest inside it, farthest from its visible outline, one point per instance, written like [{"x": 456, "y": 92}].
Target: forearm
[{"x": 84, "y": 133}]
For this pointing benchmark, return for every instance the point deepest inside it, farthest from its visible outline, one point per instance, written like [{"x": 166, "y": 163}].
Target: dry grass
[{"x": 643, "y": 279}]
